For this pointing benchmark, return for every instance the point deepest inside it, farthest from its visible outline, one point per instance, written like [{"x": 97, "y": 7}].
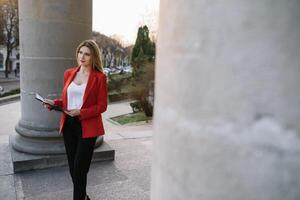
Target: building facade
[{"x": 14, "y": 58}]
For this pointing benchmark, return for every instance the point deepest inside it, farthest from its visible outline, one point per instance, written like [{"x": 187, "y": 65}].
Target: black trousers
[{"x": 79, "y": 153}]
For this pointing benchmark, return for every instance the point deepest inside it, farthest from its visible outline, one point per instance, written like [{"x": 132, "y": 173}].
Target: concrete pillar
[
  {"x": 49, "y": 34},
  {"x": 227, "y": 105}
]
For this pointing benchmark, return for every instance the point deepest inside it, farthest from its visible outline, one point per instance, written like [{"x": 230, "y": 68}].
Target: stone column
[
  {"x": 49, "y": 34},
  {"x": 227, "y": 104}
]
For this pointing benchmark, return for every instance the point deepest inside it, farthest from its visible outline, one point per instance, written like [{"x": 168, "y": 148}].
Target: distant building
[{"x": 14, "y": 58}]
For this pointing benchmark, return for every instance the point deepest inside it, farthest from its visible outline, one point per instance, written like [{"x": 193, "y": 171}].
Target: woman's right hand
[{"x": 48, "y": 103}]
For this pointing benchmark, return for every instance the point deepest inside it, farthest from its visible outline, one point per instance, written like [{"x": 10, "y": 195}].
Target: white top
[{"x": 75, "y": 95}]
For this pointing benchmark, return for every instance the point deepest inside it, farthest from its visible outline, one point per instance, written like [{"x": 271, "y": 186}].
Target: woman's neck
[{"x": 85, "y": 70}]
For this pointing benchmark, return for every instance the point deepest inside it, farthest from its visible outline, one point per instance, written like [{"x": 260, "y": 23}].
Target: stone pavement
[
  {"x": 127, "y": 177},
  {"x": 11, "y": 77}
]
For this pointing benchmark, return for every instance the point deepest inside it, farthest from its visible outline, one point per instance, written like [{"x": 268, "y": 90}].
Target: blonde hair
[{"x": 95, "y": 53}]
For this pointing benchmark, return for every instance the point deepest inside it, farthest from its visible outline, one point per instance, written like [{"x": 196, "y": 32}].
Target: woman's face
[{"x": 84, "y": 57}]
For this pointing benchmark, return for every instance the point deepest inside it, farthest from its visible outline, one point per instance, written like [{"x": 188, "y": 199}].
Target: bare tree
[
  {"x": 9, "y": 21},
  {"x": 112, "y": 49},
  {"x": 119, "y": 38},
  {"x": 2, "y": 36}
]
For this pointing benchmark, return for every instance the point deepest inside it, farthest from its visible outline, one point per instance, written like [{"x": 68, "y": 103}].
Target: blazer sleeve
[
  {"x": 101, "y": 106},
  {"x": 58, "y": 102}
]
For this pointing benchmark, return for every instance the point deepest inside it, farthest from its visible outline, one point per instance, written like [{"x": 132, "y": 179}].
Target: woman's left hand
[{"x": 73, "y": 113}]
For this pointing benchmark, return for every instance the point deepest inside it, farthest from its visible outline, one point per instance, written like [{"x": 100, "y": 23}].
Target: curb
[
  {"x": 113, "y": 122},
  {"x": 9, "y": 80},
  {"x": 9, "y": 98}
]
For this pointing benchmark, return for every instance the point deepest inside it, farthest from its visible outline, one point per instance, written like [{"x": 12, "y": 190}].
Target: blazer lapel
[
  {"x": 68, "y": 82},
  {"x": 71, "y": 77},
  {"x": 89, "y": 85}
]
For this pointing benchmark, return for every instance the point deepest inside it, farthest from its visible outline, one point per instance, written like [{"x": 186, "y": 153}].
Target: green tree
[
  {"x": 144, "y": 44},
  {"x": 142, "y": 61}
]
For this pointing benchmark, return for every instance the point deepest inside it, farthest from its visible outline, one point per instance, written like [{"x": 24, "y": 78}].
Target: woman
[{"x": 84, "y": 98}]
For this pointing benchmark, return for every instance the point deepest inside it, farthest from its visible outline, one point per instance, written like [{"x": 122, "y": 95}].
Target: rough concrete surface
[{"x": 127, "y": 177}]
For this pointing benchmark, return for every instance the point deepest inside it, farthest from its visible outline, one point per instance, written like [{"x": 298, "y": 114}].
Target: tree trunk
[{"x": 7, "y": 71}]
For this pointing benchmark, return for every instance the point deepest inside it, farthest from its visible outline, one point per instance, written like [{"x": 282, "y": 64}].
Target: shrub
[{"x": 136, "y": 106}]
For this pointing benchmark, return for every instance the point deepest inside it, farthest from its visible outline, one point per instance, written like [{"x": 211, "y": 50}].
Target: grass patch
[{"x": 131, "y": 118}]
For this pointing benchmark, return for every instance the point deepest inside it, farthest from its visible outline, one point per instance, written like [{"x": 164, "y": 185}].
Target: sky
[{"x": 123, "y": 17}]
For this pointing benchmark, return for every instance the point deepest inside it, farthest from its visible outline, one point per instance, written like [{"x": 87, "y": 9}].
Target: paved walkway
[
  {"x": 11, "y": 77},
  {"x": 128, "y": 177}
]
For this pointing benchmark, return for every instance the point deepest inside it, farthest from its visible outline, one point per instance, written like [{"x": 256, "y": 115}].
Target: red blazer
[{"x": 94, "y": 102}]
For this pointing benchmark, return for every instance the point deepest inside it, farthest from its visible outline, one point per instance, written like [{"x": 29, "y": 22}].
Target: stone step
[{"x": 24, "y": 162}]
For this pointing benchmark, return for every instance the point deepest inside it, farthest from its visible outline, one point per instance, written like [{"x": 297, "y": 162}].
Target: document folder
[{"x": 52, "y": 107}]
